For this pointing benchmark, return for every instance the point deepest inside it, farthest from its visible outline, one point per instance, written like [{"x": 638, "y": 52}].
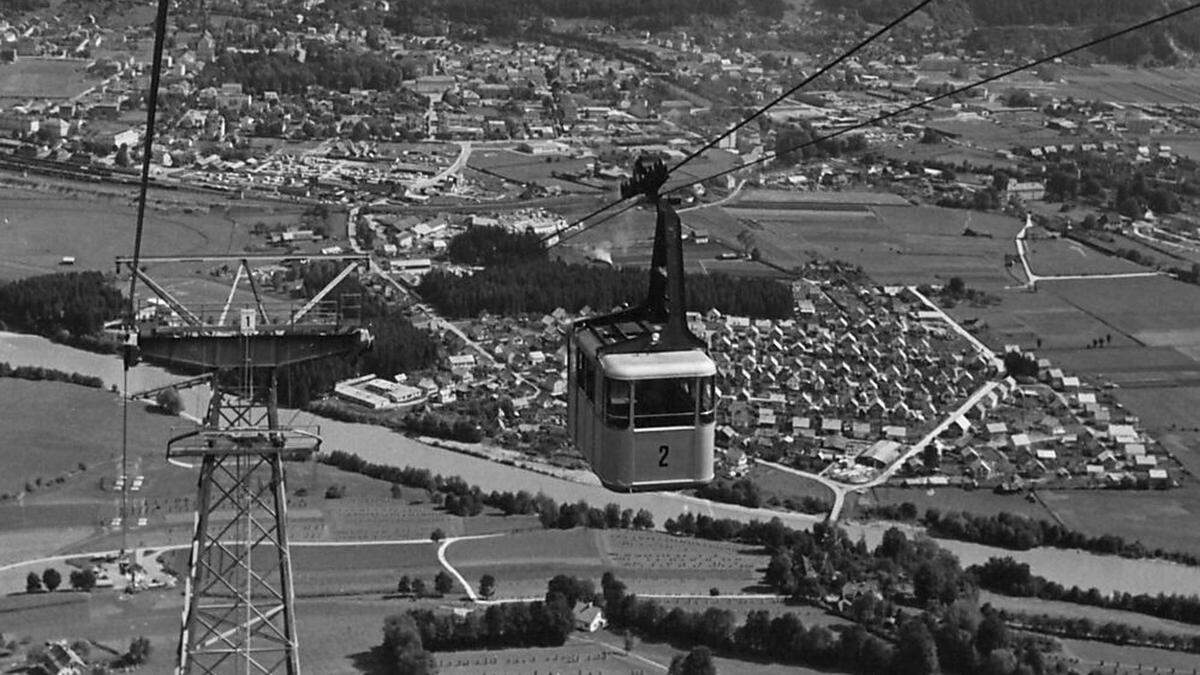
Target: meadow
[
  {"x": 1156, "y": 311},
  {"x": 648, "y": 562},
  {"x": 38, "y": 445},
  {"x": 1098, "y": 615},
  {"x": 1040, "y": 320},
  {"x": 39, "y": 229},
  {"x": 1158, "y": 519},
  {"x": 979, "y": 502},
  {"x": 1109, "y": 659},
  {"x": 894, "y": 244},
  {"x": 35, "y": 78},
  {"x": 1125, "y": 85},
  {"x": 782, "y": 485},
  {"x": 1052, "y": 257}
]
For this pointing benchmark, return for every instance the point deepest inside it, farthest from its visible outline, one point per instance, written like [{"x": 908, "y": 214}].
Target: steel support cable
[
  {"x": 714, "y": 141},
  {"x": 589, "y": 216},
  {"x": 803, "y": 83},
  {"x": 954, "y": 92},
  {"x": 160, "y": 37},
  {"x": 603, "y": 220},
  {"x": 920, "y": 104}
]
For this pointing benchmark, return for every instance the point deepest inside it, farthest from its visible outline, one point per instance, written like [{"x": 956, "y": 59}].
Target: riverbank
[{"x": 383, "y": 446}]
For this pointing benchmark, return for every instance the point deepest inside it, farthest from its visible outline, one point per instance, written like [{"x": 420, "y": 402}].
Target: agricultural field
[
  {"x": 1128, "y": 366},
  {"x": 1098, "y": 615},
  {"x": 520, "y": 167},
  {"x": 85, "y": 502},
  {"x": 1040, "y": 320},
  {"x": 1055, "y": 257},
  {"x": 1122, "y": 84},
  {"x": 1158, "y": 519},
  {"x": 697, "y": 259},
  {"x": 600, "y": 653},
  {"x": 648, "y": 562},
  {"x": 1155, "y": 311},
  {"x": 34, "y": 78},
  {"x": 44, "y": 450},
  {"x": 783, "y": 485},
  {"x": 978, "y": 502},
  {"x": 1110, "y": 659},
  {"x": 629, "y": 236},
  {"x": 893, "y": 244},
  {"x": 1169, "y": 413},
  {"x": 347, "y": 569},
  {"x": 977, "y": 156},
  {"x": 39, "y": 229}
]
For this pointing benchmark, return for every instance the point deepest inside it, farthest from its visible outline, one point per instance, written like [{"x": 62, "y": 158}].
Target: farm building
[
  {"x": 590, "y": 619},
  {"x": 57, "y": 659},
  {"x": 881, "y": 454}
]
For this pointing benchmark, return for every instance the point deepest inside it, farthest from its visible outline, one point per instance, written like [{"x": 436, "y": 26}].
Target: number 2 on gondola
[{"x": 663, "y": 451}]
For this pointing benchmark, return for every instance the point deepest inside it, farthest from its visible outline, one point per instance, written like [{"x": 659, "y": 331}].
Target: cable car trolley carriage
[{"x": 641, "y": 405}]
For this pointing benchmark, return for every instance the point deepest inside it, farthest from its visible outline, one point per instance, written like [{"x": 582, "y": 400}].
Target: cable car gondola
[{"x": 641, "y": 404}]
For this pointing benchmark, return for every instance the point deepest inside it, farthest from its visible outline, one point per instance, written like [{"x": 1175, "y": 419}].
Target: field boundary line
[
  {"x": 629, "y": 654},
  {"x": 441, "y": 554}
]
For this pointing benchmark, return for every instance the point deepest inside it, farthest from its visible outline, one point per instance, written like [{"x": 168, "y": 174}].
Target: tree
[
  {"x": 83, "y": 580},
  {"x": 956, "y": 287},
  {"x": 437, "y": 535},
  {"x": 33, "y": 583},
  {"x": 169, "y": 401},
  {"x": 443, "y": 583},
  {"x": 418, "y": 587},
  {"x": 487, "y": 586},
  {"x": 993, "y": 633},
  {"x": 82, "y": 647},
  {"x": 402, "y": 638},
  {"x": 1000, "y": 662},
  {"x": 123, "y": 159},
  {"x": 405, "y": 586},
  {"x": 699, "y": 661},
  {"x": 916, "y": 652},
  {"x": 139, "y": 651},
  {"x": 51, "y": 579},
  {"x": 643, "y": 520}
]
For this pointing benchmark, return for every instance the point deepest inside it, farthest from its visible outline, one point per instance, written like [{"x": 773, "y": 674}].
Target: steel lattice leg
[{"x": 239, "y": 610}]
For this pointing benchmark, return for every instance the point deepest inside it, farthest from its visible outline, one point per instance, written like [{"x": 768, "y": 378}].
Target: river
[{"x": 381, "y": 445}]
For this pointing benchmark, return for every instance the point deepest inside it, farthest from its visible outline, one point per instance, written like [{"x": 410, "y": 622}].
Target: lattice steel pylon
[{"x": 239, "y": 613}]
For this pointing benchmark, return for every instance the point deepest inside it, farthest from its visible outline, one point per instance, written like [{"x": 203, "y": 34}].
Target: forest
[
  {"x": 794, "y": 143},
  {"x": 998, "y": 23},
  {"x": 323, "y": 66},
  {"x": 60, "y": 306},
  {"x": 494, "y": 246},
  {"x": 541, "y": 287},
  {"x": 503, "y": 16},
  {"x": 1011, "y": 12}
]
